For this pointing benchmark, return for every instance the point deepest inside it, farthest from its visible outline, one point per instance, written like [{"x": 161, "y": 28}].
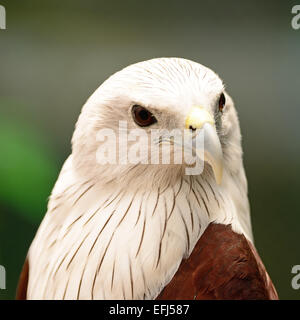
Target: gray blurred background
[{"x": 54, "y": 54}]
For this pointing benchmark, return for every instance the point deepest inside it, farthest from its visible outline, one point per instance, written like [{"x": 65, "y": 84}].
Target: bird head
[{"x": 159, "y": 95}]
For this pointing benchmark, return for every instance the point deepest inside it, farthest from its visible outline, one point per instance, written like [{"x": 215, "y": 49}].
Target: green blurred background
[{"x": 54, "y": 54}]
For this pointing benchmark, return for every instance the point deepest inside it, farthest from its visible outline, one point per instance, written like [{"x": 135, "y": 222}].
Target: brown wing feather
[
  {"x": 23, "y": 281},
  {"x": 223, "y": 265}
]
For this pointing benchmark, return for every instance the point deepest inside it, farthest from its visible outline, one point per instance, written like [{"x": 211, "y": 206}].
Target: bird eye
[
  {"x": 222, "y": 102},
  {"x": 142, "y": 116}
]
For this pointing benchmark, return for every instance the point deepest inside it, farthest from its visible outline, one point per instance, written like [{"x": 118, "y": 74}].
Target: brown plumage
[
  {"x": 223, "y": 265},
  {"x": 23, "y": 282}
]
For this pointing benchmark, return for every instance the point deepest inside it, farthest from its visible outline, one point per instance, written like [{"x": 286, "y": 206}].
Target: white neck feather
[{"x": 117, "y": 243}]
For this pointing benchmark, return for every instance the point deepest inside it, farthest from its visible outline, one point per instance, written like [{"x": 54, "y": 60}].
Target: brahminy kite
[{"x": 142, "y": 230}]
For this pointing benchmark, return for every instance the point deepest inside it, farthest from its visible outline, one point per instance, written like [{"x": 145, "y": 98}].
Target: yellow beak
[{"x": 200, "y": 119}]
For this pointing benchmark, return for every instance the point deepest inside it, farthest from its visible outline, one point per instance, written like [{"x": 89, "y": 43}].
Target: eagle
[{"x": 139, "y": 230}]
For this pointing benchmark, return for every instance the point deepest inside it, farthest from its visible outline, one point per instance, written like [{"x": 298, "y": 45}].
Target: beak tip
[{"x": 219, "y": 176}]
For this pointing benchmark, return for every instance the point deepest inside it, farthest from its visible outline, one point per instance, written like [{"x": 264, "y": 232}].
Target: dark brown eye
[
  {"x": 222, "y": 102},
  {"x": 142, "y": 116}
]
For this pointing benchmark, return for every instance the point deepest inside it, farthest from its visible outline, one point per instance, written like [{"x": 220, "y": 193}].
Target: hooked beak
[{"x": 200, "y": 120}]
